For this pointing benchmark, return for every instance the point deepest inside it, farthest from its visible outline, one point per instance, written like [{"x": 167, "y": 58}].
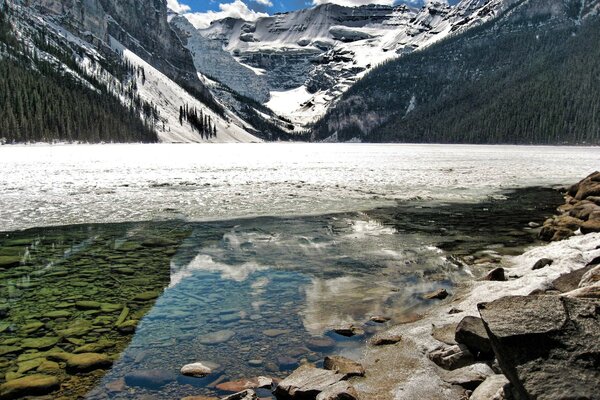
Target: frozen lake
[{"x": 67, "y": 184}]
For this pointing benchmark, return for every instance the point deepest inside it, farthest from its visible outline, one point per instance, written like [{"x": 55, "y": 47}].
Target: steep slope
[
  {"x": 529, "y": 76},
  {"x": 127, "y": 51},
  {"x": 316, "y": 54}
]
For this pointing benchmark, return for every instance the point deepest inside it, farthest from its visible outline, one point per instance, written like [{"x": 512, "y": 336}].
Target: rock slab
[
  {"x": 307, "y": 382},
  {"x": 547, "y": 346}
]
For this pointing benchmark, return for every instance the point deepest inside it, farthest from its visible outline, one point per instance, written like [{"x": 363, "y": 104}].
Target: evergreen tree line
[
  {"x": 40, "y": 102},
  {"x": 200, "y": 122},
  {"x": 521, "y": 79}
]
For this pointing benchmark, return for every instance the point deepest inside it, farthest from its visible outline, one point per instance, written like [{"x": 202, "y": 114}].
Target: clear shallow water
[
  {"x": 66, "y": 184},
  {"x": 254, "y": 296}
]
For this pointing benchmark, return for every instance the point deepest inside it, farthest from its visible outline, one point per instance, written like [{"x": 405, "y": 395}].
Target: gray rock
[
  {"x": 196, "y": 369},
  {"x": 339, "y": 391},
  {"x": 545, "y": 344},
  {"x": 541, "y": 263},
  {"x": 570, "y": 280},
  {"x": 307, "y": 382},
  {"x": 469, "y": 377},
  {"x": 491, "y": 389},
  {"x": 248, "y": 394},
  {"x": 497, "y": 274},
  {"x": 591, "y": 277},
  {"x": 344, "y": 366},
  {"x": 217, "y": 337},
  {"x": 452, "y": 357},
  {"x": 471, "y": 332}
]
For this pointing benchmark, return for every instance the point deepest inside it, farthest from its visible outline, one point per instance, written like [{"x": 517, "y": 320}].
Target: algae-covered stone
[
  {"x": 29, "y": 386},
  {"x": 94, "y": 347},
  {"x": 9, "y": 261},
  {"x": 32, "y": 327},
  {"x": 128, "y": 326},
  {"x": 58, "y": 314},
  {"x": 27, "y": 366},
  {"x": 88, "y": 305},
  {"x": 88, "y": 362},
  {"x": 48, "y": 366},
  {"x": 39, "y": 343},
  {"x": 77, "y": 328},
  {"x": 122, "y": 316},
  {"x": 110, "y": 307},
  {"x": 158, "y": 242},
  {"x": 146, "y": 296},
  {"x": 12, "y": 375},
  {"x": 9, "y": 349}
]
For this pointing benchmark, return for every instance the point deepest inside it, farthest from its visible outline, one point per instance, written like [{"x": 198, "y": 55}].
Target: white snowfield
[
  {"x": 168, "y": 96},
  {"x": 367, "y": 36},
  {"x": 45, "y": 185}
]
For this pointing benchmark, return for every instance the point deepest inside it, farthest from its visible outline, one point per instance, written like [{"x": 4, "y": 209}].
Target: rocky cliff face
[
  {"x": 141, "y": 26},
  {"x": 325, "y": 49}
]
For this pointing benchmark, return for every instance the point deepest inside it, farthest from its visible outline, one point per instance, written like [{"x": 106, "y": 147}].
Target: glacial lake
[{"x": 245, "y": 257}]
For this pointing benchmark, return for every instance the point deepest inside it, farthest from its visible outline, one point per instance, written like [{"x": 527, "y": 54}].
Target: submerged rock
[
  {"x": 244, "y": 395},
  {"x": 196, "y": 369},
  {"x": 31, "y": 385},
  {"x": 86, "y": 362},
  {"x": 320, "y": 344},
  {"x": 217, "y": 337},
  {"x": 438, "y": 294},
  {"x": 349, "y": 330},
  {"x": 545, "y": 344},
  {"x": 243, "y": 384},
  {"x": 149, "y": 378},
  {"x": 343, "y": 366},
  {"x": 39, "y": 343}
]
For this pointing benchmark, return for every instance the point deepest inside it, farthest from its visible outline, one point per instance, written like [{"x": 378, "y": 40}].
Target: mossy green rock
[
  {"x": 145, "y": 296},
  {"x": 29, "y": 386},
  {"x": 128, "y": 326},
  {"x": 9, "y": 349},
  {"x": 48, "y": 366},
  {"x": 27, "y": 366},
  {"x": 88, "y": 305},
  {"x": 39, "y": 343},
  {"x": 94, "y": 347},
  {"x": 11, "y": 375},
  {"x": 32, "y": 326},
  {"x": 110, "y": 307},
  {"x": 58, "y": 314},
  {"x": 9, "y": 261},
  {"x": 88, "y": 362},
  {"x": 158, "y": 242},
  {"x": 77, "y": 328}
]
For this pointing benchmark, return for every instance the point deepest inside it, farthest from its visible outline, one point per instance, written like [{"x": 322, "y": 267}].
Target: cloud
[
  {"x": 177, "y": 6},
  {"x": 354, "y": 3},
  {"x": 264, "y": 3},
  {"x": 237, "y": 9}
]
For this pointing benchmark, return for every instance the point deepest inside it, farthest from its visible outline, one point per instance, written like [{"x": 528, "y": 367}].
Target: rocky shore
[{"x": 528, "y": 329}]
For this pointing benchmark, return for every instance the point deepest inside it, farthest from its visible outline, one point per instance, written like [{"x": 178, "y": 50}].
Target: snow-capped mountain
[
  {"x": 302, "y": 61},
  {"x": 127, "y": 48}
]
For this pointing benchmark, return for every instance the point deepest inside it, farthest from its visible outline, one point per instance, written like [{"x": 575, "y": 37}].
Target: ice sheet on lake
[{"x": 66, "y": 184}]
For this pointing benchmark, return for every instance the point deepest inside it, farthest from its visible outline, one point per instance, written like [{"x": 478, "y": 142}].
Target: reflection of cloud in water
[{"x": 203, "y": 262}]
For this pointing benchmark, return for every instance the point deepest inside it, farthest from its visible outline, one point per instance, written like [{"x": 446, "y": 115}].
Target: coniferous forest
[
  {"x": 518, "y": 80},
  {"x": 40, "y": 103}
]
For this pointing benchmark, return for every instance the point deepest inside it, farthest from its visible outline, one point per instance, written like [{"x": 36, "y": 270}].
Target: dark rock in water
[
  {"x": 320, "y": 344},
  {"x": 595, "y": 261},
  {"x": 546, "y": 345},
  {"x": 31, "y": 385},
  {"x": 380, "y": 319},
  {"x": 469, "y": 377},
  {"x": 349, "y": 331},
  {"x": 541, "y": 263},
  {"x": 339, "y": 391},
  {"x": 384, "y": 338},
  {"x": 439, "y": 294},
  {"x": 128, "y": 327},
  {"x": 471, "y": 332},
  {"x": 149, "y": 378},
  {"x": 452, "y": 357},
  {"x": 88, "y": 362},
  {"x": 497, "y": 274},
  {"x": 570, "y": 281},
  {"x": 307, "y": 382},
  {"x": 344, "y": 366},
  {"x": 245, "y": 395},
  {"x": 287, "y": 363}
]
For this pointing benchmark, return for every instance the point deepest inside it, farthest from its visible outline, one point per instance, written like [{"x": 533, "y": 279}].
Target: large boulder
[
  {"x": 546, "y": 345},
  {"x": 471, "y": 332},
  {"x": 307, "y": 382}
]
